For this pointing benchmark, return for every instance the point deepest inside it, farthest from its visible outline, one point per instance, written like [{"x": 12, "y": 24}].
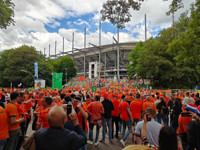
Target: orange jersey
[
  {"x": 116, "y": 104},
  {"x": 83, "y": 123},
  {"x": 28, "y": 106},
  {"x": 136, "y": 109},
  {"x": 95, "y": 108},
  {"x": 3, "y": 125},
  {"x": 43, "y": 118},
  {"x": 183, "y": 122},
  {"x": 123, "y": 111},
  {"x": 149, "y": 104},
  {"x": 11, "y": 111},
  {"x": 20, "y": 108}
]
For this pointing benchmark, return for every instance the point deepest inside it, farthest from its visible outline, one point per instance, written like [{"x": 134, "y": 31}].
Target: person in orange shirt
[
  {"x": 42, "y": 121},
  {"x": 127, "y": 119},
  {"x": 28, "y": 105},
  {"x": 13, "y": 122},
  {"x": 3, "y": 128},
  {"x": 149, "y": 104},
  {"x": 115, "y": 115},
  {"x": 136, "y": 111},
  {"x": 182, "y": 130},
  {"x": 22, "y": 112},
  {"x": 95, "y": 109}
]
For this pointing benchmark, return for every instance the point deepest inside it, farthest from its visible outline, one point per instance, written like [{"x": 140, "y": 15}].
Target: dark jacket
[
  {"x": 194, "y": 134},
  {"x": 59, "y": 139},
  {"x": 108, "y": 107}
]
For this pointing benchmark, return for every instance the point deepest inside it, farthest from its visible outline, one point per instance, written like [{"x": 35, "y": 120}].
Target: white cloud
[
  {"x": 32, "y": 16},
  {"x": 81, "y": 22}
]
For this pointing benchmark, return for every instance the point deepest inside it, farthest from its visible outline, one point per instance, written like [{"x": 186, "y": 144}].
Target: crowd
[{"x": 63, "y": 119}]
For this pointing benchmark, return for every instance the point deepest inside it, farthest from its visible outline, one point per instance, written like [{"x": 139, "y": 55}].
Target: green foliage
[
  {"x": 20, "y": 65},
  {"x": 6, "y": 13},
  {"x": 118, "y": 11},
  {"x": 17, "y": 66},
  {"x": 172, "y": 59}
]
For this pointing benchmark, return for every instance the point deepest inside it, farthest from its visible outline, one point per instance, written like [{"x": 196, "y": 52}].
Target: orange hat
[{"x": 105, "y": 95}]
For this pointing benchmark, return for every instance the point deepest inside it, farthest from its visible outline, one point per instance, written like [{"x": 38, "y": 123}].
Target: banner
[
  {"x": 39, "y": 83},
  {"x": 57, "y": 80},
  {"x": 36, "y": 69}
]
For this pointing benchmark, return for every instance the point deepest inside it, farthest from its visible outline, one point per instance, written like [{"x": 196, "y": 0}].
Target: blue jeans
[
  {"x": 12, "y": 140},
  {"x": 2, "y": 143},
  {"x": 126, "y": 123},
  {"x": 84, "y": 147},
  {"x": 109, "y": 129},
  {"x": 91, "y": 126},
  {"x": 164, "y": 118}
]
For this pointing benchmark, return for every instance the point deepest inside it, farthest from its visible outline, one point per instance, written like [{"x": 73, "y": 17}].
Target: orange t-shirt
[
  {"x": 136, "y": 108},
  {"x": 123, "y": 110},
  {"x": 20, "y": 108},
  {"x": 3, "y": 125},
  {"x": 183, "y": 122},
  {"x": 82, "y": 123},
  {"x": 116, "y": 104},
  {"x": 28, "y": 106},
  {"x": 148, "y": 104},
  {"x": 11, "y": 111},
  {"x": 95, "y": 108},
  {"x": 43, "y": 118}
]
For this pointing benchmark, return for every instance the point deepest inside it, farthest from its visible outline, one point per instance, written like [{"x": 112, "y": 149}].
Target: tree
[
  {"x": 3, "y": 59},
  {"x": 133, "y": 59},
  {"x": 6, "y": 13},
  {"x": 172, "y": 59},
  {"x": 186, "y": 47},
  {"x": 20, "y": 66},
  {"x": 118, "y": 11},
  {"x": 65, "y": 65}
]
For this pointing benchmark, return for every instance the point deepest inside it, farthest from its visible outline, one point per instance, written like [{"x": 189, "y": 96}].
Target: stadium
[{"x": 102, "y": 61}]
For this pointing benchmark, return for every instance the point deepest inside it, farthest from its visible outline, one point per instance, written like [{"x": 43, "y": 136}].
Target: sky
[{"x": 40, "y": 23}]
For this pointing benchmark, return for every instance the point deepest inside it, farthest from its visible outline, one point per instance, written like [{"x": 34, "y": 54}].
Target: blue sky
[{"x": 40, "y": 23}]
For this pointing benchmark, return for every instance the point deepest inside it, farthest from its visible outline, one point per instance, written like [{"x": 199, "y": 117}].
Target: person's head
[
  {"x": 14, "y": 96},
  {"x": 167, "y": 139},
  {"x": 72, "y": 96},
  {"x": 30, "y": 95},
  {"x": 150, "y": 112},
  {"x": 148, "y": 98},
  {"x": 97, "y": 98},
  {"x": 77, "y": 100},
  {"x": 62, "y": 95},
  {"x": 172, "y": 95},
  {"x": 41, "y": 95},
  {"x": 161, "y": 98},
  {"x": 88, "y": 97},
  {"x": 176, "y": 103},
  {"x": 48, "y": 100},
  {"x": 187, "y": 94},
  {"x": 67, "y": 99},
  {"x": 137, "y": 95},
  {"x": 21, "y": 96},
  {"x": 57, "y": 117},
  {"x": 123, "y": 97}
]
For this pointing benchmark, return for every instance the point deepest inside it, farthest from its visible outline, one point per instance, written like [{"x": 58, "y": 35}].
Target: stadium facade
[{"x": 106, "y": 61}]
